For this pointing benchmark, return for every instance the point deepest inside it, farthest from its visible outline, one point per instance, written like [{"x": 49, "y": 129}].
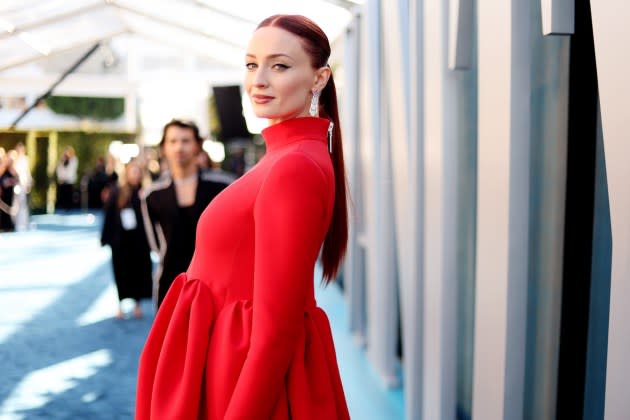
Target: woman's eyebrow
[{"x": 250, "y": 55}]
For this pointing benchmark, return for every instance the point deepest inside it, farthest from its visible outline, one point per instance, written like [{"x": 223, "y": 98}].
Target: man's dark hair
[{"x": 182, "y": 123}]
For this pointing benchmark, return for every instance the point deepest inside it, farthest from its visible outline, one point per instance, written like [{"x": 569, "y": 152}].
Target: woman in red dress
[{"x": 239, "y": 335}]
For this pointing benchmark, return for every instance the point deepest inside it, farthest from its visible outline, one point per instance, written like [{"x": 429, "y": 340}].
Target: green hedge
[{"x": 97, "y": 108}]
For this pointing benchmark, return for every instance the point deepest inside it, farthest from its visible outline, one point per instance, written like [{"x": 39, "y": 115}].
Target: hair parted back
[{"x": 316, "y": 44}]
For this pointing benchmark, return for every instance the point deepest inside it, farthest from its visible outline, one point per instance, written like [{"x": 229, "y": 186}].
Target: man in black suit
[{"x": 172, "y": 205}]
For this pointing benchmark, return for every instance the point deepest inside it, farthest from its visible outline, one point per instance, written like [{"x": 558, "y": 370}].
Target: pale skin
[
  {"x": 280, "y": 78},
  {"x": 180, "y": 149}
]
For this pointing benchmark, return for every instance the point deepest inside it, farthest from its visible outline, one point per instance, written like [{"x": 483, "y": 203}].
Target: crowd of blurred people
[
  {"x": 15, "y": 185},
  {"x": 159, "y": 214},
  {"x": 150, "y": 205}
]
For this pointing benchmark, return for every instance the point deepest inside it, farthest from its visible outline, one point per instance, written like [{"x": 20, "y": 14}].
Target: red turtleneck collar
[{"x": 289, "y": 131}]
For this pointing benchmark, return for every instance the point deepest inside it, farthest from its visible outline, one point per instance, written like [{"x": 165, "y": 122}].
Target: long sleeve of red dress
[
  {"x": 290, "y": 207},
  {"x": 239, "y": 335}
]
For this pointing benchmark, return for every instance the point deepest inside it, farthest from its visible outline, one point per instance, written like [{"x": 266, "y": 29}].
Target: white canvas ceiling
[
  {"x": 161, "y": 55},
  {"x": 32, "y": 30}
]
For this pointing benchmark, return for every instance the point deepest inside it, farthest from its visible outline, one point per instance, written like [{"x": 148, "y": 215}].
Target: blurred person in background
[
  {"x": 8, "y": 180},
  {"x": 66, "y": 172},
  {"x": 153, "y": 164},
  {"x": 23, "y": 189},
  {"x": 123, "y": 230},
  {"x": 215, "y": 171},
  {"x": 98, "y": 183},
  {"x": 237, "y": 161},
  {"x": 171, "y": 206},
  {"x": 240, "y": 335},
  {"x": 203, "y": 160}
]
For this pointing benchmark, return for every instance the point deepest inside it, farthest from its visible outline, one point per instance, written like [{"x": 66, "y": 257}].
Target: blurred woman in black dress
[
  {"x": 8, "y": 180},
  {"x": 123, "y": 231}
]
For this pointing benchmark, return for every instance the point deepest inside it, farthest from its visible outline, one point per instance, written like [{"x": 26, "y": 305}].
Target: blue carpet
[
  {"x": 62, "y": 354},
  {"x": 368, "y": 398}
]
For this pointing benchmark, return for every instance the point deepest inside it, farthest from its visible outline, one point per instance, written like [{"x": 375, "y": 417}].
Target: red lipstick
[{"x": 261, "y": 99}]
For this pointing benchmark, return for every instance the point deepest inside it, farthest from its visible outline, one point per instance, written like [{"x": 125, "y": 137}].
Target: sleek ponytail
[
  {"x": 337, "y": 236},
  {"x": 315, "y": 43}
]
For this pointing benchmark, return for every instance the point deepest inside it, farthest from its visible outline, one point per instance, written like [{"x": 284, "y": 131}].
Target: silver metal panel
[
  {"x": 412, "y": 282},
  {"x": 548, "y": 130},
  {"x": 397, "y": 55},
  {"x": 354, "y": 266},
  {"x": 380, "y": 253},
  {"x": 503, "y": 211},
  {"x": 395, "y": 82},
  {"x": 519, "y": 209},
  {"x": 611, "y": 33},
  {"x": 460, "y": 42},
  {"x": 440, "y": 185},
  {"x": 558, "y": 17}
]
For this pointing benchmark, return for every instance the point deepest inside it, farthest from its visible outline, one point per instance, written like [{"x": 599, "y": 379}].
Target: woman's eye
[
  {"x": 250, "y": 66},
  {"x": 280, "y": 66}
]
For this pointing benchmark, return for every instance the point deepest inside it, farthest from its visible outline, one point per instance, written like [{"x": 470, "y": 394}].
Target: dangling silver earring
[
  {"x": 331, "y": 125},
  {"x": 314, "y": 109}
]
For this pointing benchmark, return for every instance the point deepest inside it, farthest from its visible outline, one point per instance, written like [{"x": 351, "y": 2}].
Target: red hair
[{"x": 315, "y": 43}]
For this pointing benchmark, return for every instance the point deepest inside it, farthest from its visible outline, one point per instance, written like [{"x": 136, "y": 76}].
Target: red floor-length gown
[{"x": 239, "y": 335}]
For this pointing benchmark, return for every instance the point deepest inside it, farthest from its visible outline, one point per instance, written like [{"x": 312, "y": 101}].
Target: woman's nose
[{"x": 260, "y": 78}]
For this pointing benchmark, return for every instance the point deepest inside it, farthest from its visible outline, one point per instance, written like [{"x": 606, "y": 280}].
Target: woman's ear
[{"x": 321, "y": 78}]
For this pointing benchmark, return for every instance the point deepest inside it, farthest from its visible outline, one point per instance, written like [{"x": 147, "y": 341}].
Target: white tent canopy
[
  {"x": 149, "y": 49},
  {"x": 216, "y": 29}
]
